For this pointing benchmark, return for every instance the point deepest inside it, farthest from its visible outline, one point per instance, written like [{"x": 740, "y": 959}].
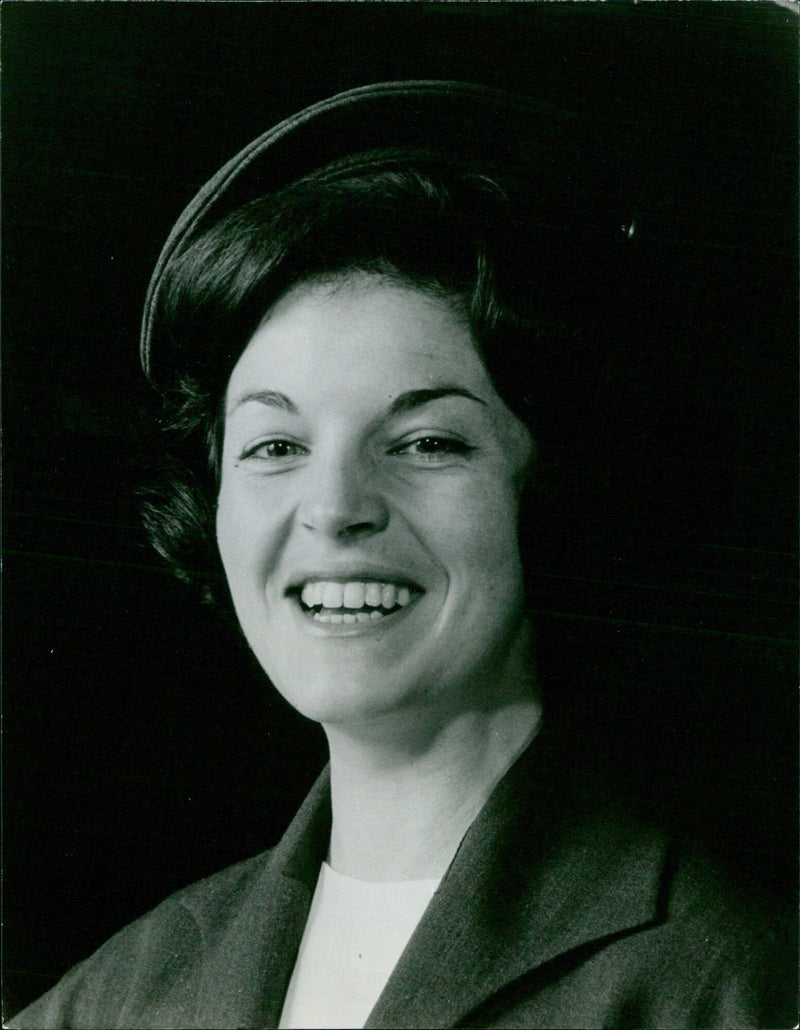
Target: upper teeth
[{"x": 332, "y": 594}]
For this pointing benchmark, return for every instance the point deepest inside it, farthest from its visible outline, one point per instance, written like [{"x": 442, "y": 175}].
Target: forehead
[{"x": 360, "y": 334}]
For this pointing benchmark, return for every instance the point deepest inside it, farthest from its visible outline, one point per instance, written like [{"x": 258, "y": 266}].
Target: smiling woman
[{"x": 342, "y": 324}]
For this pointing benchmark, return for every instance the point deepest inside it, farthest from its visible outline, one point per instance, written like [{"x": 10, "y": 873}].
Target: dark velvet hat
[{"x": 532, "y": 147}]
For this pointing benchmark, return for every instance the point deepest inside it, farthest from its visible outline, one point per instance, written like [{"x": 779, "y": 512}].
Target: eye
[
  {"x": 433, "y": 448},
  {"x": 275, "y": 450}
]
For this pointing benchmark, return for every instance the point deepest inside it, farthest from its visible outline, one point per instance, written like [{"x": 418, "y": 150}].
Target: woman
[{"x": 342, "y": 324}]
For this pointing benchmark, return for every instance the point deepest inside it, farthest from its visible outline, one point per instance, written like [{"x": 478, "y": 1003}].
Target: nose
[{"x": 342, "y": 501}]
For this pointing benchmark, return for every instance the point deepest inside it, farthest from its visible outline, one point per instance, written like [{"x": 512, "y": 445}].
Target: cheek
[
  {"x": 496, "y": 560},
  {"x": 476, "y": 535},
  {"x": 229, "y": 535},
  {"x": 245, "y": 537}
]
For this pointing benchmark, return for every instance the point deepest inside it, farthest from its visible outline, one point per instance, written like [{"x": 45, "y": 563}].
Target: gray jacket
[{"x": 558, "y": 911}]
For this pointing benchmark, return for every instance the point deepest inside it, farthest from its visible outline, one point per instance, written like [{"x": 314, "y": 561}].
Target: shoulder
[
  {"x": 741, "y": 929},
  {"x": 721, "y": 950},
  {"x": 159, "y": 956},
  {"x": 711, "y": 910},
  {"x": 190, "y": 913},
  {"x": 713, "y": 944}
]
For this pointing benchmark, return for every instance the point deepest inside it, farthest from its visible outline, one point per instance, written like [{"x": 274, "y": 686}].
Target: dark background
[{"x": 142, "y": 749}]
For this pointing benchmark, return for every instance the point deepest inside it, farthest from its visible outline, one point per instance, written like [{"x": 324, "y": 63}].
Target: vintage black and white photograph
[{"x": 400, "y": 514}]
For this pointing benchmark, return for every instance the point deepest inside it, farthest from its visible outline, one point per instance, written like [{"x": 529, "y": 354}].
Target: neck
[{"x": 401, "y": 806}]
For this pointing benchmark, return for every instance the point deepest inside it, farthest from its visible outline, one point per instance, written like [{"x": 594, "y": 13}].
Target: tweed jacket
[{"x": 558, "y": 910}]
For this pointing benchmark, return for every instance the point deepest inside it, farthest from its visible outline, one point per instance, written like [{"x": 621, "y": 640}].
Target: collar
[{"x": 304, "y": 846}]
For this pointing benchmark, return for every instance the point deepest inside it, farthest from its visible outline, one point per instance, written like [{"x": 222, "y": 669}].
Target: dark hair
[{"x": 452, "y": 233}]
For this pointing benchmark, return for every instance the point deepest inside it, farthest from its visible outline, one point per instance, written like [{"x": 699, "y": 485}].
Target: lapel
[
  {"x": 547, "y": 867},
  {"x": 255, "y": 946}
]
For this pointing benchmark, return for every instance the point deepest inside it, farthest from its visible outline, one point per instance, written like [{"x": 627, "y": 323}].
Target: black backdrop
[{"x": 142, "y": 749}]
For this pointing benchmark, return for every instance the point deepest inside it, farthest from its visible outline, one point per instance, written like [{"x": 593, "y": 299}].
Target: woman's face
[{"x": 368, "y": 504}]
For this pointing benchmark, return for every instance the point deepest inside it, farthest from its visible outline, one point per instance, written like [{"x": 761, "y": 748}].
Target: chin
[{"x": 332, "y": 700}]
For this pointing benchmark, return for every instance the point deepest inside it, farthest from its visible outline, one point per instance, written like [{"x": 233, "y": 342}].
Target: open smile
[{"x": 349, "y": 602}]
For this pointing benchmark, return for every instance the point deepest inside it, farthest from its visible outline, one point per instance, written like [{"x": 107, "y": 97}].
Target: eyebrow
[
  {"x": 416, "y": 398},
  {"x": 407, "y": 401},
  {"x": 271, "y": 398}
]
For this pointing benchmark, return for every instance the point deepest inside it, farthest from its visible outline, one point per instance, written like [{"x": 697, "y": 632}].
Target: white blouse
[{"x": 356, "y": 932}]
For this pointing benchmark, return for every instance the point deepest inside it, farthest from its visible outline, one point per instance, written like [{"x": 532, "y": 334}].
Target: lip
[
  {"x": 363, "y": 572},
  {"x": 372, "y": 628},
  {"x": 352, "y": 573}
]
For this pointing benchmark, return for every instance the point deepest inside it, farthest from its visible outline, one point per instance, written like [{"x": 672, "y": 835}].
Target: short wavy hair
[{"x": 451, "y": 233}]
